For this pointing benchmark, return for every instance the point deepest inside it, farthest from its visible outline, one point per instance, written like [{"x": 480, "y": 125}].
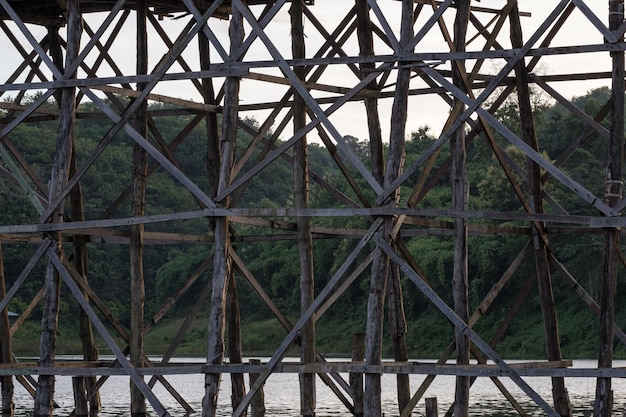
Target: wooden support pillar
[
  {"x": 381, "y": 265},
  {"x": 238, "y": 386},
  {"x": 301, "y": 197},
  {"x": 460, "y": 190},
  {"x": 85, "y": 331},
  {"x": 544, "y": 279},
  {"x": 6, "y": 350},
  {"x": 44, "y": 397},
  {"x": 80, "y": 396},
  {"x": 398, "y": 329},
  {"x": 615, "y": 174},
  {"x": 212, "y": 129},
  {"x": 90, "y": 351},
  {"x": 222, "y": 263},
  {"x": 356, "y": 379},
  {"x": 365, "y": 35},
  {"x": 257, "y": 405},
  {"x": 397, "y": 322},
  {"x": 139, "y": 177}
]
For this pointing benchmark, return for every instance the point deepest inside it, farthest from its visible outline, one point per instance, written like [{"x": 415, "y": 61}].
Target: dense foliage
[{"x": 274, "y": 263}]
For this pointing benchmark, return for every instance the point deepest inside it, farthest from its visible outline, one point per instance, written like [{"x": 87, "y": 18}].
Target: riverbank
[{"x": 427, "y": 338}]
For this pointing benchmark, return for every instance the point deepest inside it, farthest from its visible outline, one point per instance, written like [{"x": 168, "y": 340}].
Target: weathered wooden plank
[
  {"x": 75, "y": 227},
  {"x": 336, "y": 41},
  {"x": 242, "y": 69},
  {"x": 311, "y": 85},
  {"x": 121, "y": 123},
  {"x": 539, "y": 368},
  {"x": 187, "y": 104}
]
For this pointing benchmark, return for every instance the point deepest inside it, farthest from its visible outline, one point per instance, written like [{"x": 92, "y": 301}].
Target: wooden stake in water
[
  {"x": 257, "y": 405},
  {"x": 431, "y": 407}
]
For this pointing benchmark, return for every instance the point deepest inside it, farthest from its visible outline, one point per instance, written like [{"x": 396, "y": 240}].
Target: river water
[{"x": 282, "y": 397}]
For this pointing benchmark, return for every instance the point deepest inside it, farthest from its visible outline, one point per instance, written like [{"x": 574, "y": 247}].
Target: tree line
[{"x": 274, "y": 263}]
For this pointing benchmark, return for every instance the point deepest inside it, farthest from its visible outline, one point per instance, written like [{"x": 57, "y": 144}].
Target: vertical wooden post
[
  {"x": 44, "y": 396},
  {"x": 615, "y": 172},
  {"x": 85, "y": 331},
  {"x": 371, "y": 404},
  {"x": 257, "y": 405},
  {"x": 356, "y": 379},
  {"x": 301, "y": 197},
  {"x": 139, "y": 176},
  {"x": 222, "y": 264},
  {"x": 460, "y": 190},
  {"x": 380, "y": 266},
  {"x": 212, "y": 129},
  {"x": 238, "y": 386},
  {"x": 6, "y": 350},
  {"x": 366, "y": 47},
  {"x": 397, "y": 320},
  {"x": 398, "y": 328},
  {"x": 80, "y": 396},
  {"x": 544, "y": 280}
]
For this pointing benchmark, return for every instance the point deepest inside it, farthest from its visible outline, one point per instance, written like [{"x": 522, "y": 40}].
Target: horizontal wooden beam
[
  {"x": 526, "y": 369},
  {"x": 74, "y": 227}
]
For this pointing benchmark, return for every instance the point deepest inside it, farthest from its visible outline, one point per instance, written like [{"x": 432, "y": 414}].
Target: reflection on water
[{"x": 282, "y": 396}]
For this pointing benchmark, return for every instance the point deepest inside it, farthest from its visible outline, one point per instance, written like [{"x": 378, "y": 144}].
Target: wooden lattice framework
[{"x": 64, "y": 47}]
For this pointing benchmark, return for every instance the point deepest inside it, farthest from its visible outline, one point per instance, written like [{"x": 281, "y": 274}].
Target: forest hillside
[{"x": 275, "y": 263}]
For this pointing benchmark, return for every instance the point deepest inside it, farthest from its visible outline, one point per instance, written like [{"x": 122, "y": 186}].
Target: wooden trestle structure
[{"x": 374, "y": 56}]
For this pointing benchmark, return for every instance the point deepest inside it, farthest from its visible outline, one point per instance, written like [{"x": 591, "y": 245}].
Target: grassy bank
[{"x": 426, "y": 338}]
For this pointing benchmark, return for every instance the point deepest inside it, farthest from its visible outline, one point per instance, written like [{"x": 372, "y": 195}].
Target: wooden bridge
[{"x": 381, "y": 63}]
